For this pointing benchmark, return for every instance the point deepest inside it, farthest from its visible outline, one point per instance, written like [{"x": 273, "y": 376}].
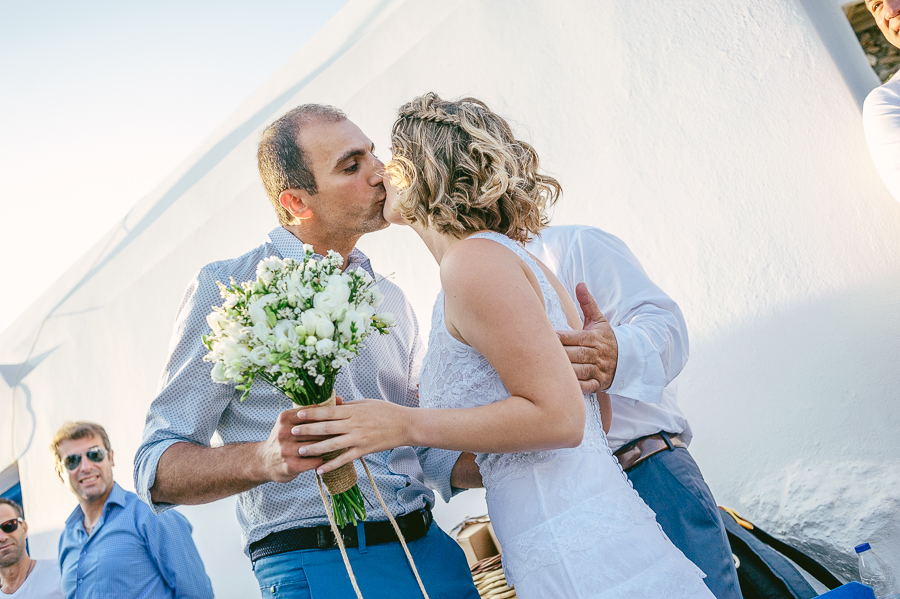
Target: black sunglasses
[
  {"x": 10, "y": 526},
  {"x": 94, "y": 454}
]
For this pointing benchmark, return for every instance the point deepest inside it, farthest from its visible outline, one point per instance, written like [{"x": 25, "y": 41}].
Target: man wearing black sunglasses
[
  {"x": 20, "y": 576},
  {"x": 113, "y": 545}
]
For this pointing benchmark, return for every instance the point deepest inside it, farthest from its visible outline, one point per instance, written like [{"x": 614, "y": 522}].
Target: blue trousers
[
  {"x": 671, "y": 484},
  {"x": 381, "y": 571}
]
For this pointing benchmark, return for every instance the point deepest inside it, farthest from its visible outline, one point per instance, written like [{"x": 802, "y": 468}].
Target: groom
[{"x": 325, "y": 184}]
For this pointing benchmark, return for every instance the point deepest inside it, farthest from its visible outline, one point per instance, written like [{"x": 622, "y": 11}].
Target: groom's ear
[{"x": 294, "y": 201}]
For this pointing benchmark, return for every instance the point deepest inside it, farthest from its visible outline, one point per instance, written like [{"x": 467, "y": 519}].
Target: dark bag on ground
[{"x": 763, "y": 571}]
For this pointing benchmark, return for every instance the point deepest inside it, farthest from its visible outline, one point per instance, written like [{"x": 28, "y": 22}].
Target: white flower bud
[
  {"x": 310, "y": 320},
  {"x": 324, "y": 328}
]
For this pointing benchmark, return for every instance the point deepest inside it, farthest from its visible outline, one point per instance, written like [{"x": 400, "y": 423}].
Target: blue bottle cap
[{"x": 863, "y": 547}]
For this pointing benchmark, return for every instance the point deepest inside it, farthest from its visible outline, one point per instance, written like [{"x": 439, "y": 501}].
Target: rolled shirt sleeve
[
  {"x": 188, "y": 406},
  {"x": 191, "y": 408}
]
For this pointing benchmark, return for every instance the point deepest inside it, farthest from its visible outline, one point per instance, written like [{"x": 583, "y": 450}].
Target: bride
[{"x": 496, "y": 381}]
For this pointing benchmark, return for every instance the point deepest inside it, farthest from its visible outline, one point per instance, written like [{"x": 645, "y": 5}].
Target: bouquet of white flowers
[{"x": 295, "y": 327}]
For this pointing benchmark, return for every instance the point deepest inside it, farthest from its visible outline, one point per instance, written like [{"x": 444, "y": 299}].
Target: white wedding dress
[{"x": 570, "y": 524}]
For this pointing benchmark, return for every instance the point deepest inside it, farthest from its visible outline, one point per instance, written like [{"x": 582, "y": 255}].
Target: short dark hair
[
  {"x": 282, "y": 162},
  {"x": 15, "y": 506},
  {"x": 76, "y": 430}
]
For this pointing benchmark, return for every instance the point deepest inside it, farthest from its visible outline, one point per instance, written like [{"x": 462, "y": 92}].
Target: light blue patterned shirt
[
  {"x": 191, "y": 407},
  {"x": 131, "y": 553}
]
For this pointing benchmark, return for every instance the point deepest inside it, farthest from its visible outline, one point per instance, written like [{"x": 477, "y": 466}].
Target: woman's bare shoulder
[{"x": 479, "y": 261}]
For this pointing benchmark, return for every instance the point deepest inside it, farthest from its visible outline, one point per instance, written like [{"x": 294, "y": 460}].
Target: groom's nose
[{"x": 377, "y": 172}]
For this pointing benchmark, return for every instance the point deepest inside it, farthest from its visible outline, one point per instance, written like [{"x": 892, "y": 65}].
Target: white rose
[
  {"x": 327, "y": 300},
  {"x": 325, "y": 347},
  {"x": 260, "y": 356},
  {"x": 387, "y": 318}
]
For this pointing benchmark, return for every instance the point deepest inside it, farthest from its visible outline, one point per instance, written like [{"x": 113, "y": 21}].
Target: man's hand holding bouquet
[{"x": 295, "y": 327}]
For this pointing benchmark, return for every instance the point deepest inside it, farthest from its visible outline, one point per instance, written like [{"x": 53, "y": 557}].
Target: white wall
[{"x": 725, "y": 147}]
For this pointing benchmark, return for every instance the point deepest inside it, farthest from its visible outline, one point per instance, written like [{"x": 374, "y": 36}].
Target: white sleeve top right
[{"x": 881, "y": 122}]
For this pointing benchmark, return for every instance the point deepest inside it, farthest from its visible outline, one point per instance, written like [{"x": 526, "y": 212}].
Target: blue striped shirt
[
  {"x": 191, "y": 407},
  {"x": 131, "y": 553}
]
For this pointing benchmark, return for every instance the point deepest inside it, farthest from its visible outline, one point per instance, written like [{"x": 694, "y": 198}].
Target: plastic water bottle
[{"x": 874, "y": 572}]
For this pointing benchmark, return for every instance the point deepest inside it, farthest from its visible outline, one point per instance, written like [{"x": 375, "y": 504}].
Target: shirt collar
[
  {"x": 116, "y": 496},
  {"x": 289, "y": 246}
]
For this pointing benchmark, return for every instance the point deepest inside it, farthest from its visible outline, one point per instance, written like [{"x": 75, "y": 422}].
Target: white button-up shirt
[
  {"x": 881, "y": 121},
  {"x": 649, "y": 327},
  {"x": 191, "y": 407}
]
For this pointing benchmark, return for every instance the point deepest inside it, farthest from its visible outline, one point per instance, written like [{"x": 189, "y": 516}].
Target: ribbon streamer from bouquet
[{"x": 340, "y": 540}]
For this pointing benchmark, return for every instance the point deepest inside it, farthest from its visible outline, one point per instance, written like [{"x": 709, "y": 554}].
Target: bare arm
[
  {"x": 492, "y": 303},
  {"x": 465, "y": 474},
  {"x": 190, "y": 474}
]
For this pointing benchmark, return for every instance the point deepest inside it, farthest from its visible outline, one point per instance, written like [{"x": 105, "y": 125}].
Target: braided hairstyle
[{"x": 461, "y": 170}]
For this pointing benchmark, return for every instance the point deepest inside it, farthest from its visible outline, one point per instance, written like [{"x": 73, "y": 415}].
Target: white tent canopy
[{"x": 725, "y": 147}]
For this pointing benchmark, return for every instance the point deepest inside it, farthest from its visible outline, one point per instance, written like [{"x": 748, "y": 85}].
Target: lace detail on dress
[{"x": 466, "y": 379}]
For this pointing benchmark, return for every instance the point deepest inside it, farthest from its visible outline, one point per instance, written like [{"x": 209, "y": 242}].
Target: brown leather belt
[{"x": 632, "y": 454}]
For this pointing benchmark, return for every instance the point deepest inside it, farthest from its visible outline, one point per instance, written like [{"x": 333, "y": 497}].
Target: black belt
[{"x": 413, "y": 526}]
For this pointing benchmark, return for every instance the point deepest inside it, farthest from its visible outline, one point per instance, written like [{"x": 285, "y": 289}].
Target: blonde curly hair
[{"x": 460, "y": 169}]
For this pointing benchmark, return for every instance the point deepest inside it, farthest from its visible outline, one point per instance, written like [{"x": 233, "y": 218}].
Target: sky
[{"x": 100, "y": 100}]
